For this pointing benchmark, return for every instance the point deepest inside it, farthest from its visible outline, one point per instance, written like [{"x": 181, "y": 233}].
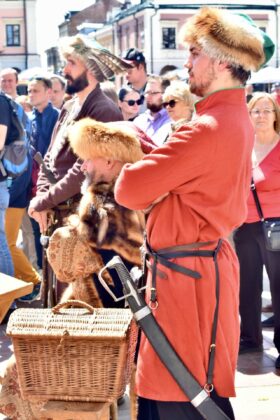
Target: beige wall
[{"x": 11, "y": 12}]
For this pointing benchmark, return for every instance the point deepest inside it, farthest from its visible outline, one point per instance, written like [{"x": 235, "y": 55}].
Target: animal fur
[
  {"x": 107, "y": 225},
  {"x": 226, "y": 36},
  {"x": 104, "y": 225},
  {"x": 92, "y": 139}
]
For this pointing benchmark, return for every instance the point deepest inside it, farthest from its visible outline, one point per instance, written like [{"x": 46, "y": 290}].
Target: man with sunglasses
[
  {"x": 155, "y": 121},
  {"x": 195, "y": 188}
]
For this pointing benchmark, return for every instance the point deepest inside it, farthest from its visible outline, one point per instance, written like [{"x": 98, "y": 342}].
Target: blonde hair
[
  {"x": 264, "y": 95},
  {"x": 178, "y": 90}
]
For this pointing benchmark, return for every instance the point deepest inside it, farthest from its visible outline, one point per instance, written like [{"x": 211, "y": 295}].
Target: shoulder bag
[{"x": 271, "y": 228}]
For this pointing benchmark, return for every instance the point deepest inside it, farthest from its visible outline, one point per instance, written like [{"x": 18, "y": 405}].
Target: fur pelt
[
  {"x": 104, "y": 225},
  {"x": 226, "y": 36},
  {"x": 91, "y": 139}
]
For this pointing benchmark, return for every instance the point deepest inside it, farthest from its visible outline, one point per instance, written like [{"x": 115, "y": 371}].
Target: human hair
[
  {"x": 109, "y": 89},
  {"x": 167, "y": 68},
  {"x": 178, "y": 90},
  {"x": 142, "y": 63},
  {"x": 46, "y": 81},
  {"x": 9, "y": 70},
  {"x": 155, "y": 78},
  {"x": 239, "y": 73},
  {"x": 60, "y": 79},
  {"x": 264, "y": 95},
  {"x": 124, "y": 91},
  {"x": 23, "y": 100}
]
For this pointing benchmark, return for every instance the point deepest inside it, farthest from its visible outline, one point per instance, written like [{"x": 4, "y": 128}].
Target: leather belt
[{"x": 164, "y": 255}]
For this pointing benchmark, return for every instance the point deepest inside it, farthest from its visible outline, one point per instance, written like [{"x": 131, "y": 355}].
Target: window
[
  {"x": 169, "y": 38},
  {"x": 13, "y": 35}
]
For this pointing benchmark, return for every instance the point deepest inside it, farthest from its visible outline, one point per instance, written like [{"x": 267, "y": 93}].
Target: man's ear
[
  {"x": 222, "y": 65},
  {"x": 90, "y": 77},
  {"x": 116, "y": 166},
  {"x": 110, "y": 163}
]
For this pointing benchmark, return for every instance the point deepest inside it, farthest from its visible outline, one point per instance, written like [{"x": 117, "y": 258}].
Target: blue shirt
[{"x": 42, "y": 124}]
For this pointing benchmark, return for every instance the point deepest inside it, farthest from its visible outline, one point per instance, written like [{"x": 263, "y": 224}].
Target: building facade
[
  {"x": 153, "y": 27},
  {"x": 18, "y": 46}
]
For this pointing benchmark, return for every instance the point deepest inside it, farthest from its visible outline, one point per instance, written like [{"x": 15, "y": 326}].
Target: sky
[{"x": 50, "y": 13}]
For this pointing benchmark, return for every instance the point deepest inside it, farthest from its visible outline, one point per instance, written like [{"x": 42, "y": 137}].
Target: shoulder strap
[{"x": 257, "y": 201}]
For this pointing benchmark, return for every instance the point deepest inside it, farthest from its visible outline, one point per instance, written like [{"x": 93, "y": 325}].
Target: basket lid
[{"x": 76, "y": 322}]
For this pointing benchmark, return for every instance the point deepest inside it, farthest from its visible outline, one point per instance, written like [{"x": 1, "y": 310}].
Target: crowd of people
[{"x": 184, "y": 156}]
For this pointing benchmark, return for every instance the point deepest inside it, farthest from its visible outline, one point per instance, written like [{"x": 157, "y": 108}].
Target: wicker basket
[{"x": 71, "y": 354}]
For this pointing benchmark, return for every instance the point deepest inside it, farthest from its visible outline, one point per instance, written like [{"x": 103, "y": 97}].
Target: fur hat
[
  {"x": 100, "y": 61},
  {"x": 229, "y": 37},
  {"x": 118, "y": 141}
]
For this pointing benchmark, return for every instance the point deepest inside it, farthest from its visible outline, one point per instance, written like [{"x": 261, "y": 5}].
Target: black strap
[
  {"x": 212, "y": 349},
  {"x": 163, "y": 256},
  {"x": 257, "y": 201}
]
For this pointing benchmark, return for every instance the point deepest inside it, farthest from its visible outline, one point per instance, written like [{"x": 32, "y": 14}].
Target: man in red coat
[{"x": 196, "y": 187}]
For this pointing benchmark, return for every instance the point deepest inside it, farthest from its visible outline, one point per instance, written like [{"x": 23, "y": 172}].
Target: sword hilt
[{"x": 131, "y": 292}]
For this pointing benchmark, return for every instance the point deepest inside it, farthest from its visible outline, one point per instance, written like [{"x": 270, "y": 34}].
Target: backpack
[{"x": 14, "y": 155}]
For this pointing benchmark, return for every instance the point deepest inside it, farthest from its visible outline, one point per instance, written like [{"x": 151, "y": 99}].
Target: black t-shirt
[{"x": 5, "y": 119}]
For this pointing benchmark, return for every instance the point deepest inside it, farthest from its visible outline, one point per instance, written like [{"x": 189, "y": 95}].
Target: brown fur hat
[
  {"x": 93, "y": 139},
  {"x": 226, "y": 36}
]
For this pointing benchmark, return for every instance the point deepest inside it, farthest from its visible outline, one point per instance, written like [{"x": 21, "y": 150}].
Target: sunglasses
[
  {"x": 132, "y": 102},
  {"x": 171, "y": 103}
]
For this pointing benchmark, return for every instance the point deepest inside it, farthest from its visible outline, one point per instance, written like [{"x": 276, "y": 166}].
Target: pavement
[{"x": 257, "y": 380}]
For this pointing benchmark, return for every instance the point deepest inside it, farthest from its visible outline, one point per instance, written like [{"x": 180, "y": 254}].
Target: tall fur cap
[
  {"x": 228, "y": 37},
  {"x": 92, "y": 139}
]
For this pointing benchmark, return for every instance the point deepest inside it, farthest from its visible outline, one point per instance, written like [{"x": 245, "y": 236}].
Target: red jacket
[
  {"x": 267, "y": 180},
  {"x": 205, "y": 168}
]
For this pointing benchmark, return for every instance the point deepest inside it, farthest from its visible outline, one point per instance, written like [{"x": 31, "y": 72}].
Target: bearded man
[
  {"x": 86, "y": 65},
  {"x": 83, "y": 76},
  {"x": 155, "y": 121},
  {"x": 101, "y": 228},
  {"x": 202, "y": 176}
]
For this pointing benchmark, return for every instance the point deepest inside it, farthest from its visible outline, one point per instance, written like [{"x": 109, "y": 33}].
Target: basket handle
[{"x": 76, "y": 303}]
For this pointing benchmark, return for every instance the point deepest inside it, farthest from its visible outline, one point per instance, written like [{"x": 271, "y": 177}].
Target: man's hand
[{"x": 41, "y": 217}]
